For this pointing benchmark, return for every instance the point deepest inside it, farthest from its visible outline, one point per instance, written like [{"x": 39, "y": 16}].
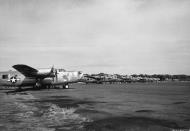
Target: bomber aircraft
[{"x": 38, "y": 78}]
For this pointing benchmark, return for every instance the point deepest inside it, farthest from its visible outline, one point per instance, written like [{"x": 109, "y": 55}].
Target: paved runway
[{"x": 110, "y": 107}]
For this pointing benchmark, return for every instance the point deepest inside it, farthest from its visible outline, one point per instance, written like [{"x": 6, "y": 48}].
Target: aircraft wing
[{"x": 26, "y": 70}]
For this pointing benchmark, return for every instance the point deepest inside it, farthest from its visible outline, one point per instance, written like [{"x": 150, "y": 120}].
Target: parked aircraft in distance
[{"x": 38, "y": 78}]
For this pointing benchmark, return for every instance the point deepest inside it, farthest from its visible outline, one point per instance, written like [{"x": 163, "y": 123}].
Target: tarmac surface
[{"x": 92, "y": 107}]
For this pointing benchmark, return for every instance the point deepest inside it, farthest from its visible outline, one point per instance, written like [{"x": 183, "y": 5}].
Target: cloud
[{"x": 137, "y": 36}]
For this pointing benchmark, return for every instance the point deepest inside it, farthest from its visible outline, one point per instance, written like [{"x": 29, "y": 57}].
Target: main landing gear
[{"x": 65, "y": 86}]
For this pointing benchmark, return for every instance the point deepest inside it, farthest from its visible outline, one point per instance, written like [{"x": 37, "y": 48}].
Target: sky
[{"x": 110, "y": 36}]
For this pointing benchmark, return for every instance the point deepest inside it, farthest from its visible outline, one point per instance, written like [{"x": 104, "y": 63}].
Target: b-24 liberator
[{"x": 38, "y": 78}]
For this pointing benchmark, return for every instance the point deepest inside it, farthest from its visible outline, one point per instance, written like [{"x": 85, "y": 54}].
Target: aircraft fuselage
[{"x": 15, "y": 78}]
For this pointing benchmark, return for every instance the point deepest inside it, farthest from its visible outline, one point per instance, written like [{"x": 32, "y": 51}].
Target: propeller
[
  {"x": 53, "y": 72},
  {"x": 52, "y": 69}
]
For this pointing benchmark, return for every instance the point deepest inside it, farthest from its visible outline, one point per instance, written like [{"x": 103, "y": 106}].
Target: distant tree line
[{"x": 164, "y": 77}]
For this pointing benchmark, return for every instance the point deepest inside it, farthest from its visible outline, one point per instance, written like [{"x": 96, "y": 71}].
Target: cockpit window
[{"x": 5, "y": 76}]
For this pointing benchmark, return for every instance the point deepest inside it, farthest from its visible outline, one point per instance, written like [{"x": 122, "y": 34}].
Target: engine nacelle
[
  {"x": 47, "y": 81},
  {"x": 46, "y": 73}
]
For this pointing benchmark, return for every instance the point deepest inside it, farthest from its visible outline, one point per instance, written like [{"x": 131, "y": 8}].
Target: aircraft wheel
[{"x": 65, "y": 86}]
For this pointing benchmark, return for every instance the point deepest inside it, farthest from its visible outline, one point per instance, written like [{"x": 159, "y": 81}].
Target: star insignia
[{"x": 13, "y": 79}]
